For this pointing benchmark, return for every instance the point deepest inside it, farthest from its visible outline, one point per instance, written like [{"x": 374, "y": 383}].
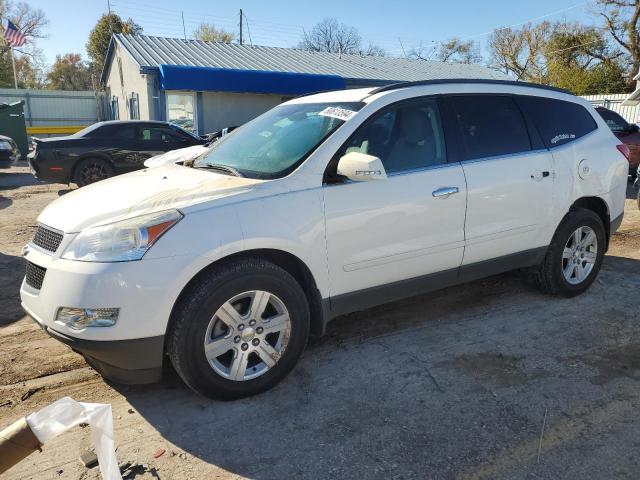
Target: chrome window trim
[
  {"x": 507, "y": 155},
  {"x": 423, "y": 169}
]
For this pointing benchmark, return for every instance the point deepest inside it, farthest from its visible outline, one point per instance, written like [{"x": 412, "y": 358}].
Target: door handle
[
  {"x": 445, "y": 192},
  {"x": 538, "y": 175}
]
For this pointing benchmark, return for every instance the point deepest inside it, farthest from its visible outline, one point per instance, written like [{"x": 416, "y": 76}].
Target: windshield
[{"x": 276, "y": 142}]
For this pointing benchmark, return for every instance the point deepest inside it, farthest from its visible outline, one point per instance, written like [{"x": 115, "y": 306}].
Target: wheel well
[
  {"x": 599, "y": 206},
  {"x": 288, "y": 262}
]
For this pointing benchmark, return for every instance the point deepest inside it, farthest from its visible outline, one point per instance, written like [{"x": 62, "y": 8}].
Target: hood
[
  {"x": 175, "y": 156},
  {"x": 139, "y": 193}
]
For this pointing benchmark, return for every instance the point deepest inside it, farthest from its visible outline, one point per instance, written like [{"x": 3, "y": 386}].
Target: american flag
[{"x": 13, "y": 36}]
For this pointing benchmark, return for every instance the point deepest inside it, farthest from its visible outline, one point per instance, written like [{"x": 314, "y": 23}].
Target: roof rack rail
[{"x": 440, "y": 81}]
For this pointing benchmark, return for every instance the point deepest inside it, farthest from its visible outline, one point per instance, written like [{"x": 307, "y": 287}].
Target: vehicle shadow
[
  {"x": 11, "y": 180},
  {"x": 5, "y": 202},
  {"x": 11, "y": 275},
  {"x": 360, "y": 400},
  {"x": 632, "y": 190}
]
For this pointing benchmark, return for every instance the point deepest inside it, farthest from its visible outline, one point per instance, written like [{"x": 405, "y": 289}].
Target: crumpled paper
[{"x": 66, "y": 413}]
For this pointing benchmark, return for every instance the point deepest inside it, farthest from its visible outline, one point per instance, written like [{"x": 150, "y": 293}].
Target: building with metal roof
[{"x": 206, "y": 86}]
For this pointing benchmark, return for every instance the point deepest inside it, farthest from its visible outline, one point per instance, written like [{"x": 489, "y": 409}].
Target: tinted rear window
[
  {"x": 492, "y": 125},
  {"x": 558, "y": 122}
]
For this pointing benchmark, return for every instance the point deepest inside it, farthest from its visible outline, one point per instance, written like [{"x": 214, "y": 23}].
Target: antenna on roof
[
  {"x": 184, "y": 30},
  {"x": 240, "y": 26}
]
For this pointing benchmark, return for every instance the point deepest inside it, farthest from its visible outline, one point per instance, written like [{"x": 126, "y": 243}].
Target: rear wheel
[
  {"x": 575, "y": 255},
  {"x": 91, "y": 170},
  {"x": 239, "y": 330}
]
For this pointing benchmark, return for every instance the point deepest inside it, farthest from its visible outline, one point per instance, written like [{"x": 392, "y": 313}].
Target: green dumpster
[{"x": 12, "y": 125}]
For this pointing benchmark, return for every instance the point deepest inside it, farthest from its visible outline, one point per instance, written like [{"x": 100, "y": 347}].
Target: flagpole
[{"x": 13, "y": 61}]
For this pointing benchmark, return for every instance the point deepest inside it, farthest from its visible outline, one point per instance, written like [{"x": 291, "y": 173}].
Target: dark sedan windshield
[{"x": 275, "y": 143}]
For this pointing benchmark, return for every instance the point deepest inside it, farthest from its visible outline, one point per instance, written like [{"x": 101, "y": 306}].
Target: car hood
[{"x": 141, "y": 192}]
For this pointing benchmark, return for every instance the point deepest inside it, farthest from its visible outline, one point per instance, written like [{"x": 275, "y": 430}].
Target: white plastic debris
[
  {"x": 175, "y": 156},
  {"x": 66, "y": 413}
]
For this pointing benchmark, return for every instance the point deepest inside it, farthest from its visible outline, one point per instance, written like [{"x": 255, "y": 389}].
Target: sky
[{"x": 394, "y": 25}]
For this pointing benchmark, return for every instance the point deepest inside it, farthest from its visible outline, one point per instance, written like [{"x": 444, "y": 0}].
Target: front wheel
[
  {"x": 239, "y": 330},
  {"x": 575, "y": 255}
]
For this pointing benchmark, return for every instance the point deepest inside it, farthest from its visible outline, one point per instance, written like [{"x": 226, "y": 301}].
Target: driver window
[{"x": 405, "y": 137}]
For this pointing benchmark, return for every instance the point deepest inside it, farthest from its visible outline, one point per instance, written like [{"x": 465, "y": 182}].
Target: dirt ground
[{"x": 453, "y": 384}]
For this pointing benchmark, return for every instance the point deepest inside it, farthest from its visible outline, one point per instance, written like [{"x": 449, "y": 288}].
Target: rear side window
[
  {"x": 124, "y": 132},
  {"x": 491, "y": 125},
  {"x": 614, "y": 121},
  {"x": 558, "y": 122}
]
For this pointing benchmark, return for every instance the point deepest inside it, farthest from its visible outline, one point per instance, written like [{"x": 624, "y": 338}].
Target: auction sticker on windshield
[{"x": 337, "y": 112}]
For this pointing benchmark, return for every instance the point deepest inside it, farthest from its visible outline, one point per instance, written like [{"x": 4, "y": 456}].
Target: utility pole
[
  {"x": 184, "y": 30},
  {"x": 240, "y": 26},
  {"x": 109, "y": 6}
]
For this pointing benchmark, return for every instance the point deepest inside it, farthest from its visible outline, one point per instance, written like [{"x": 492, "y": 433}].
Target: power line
[{"x": 562, "y": 10}]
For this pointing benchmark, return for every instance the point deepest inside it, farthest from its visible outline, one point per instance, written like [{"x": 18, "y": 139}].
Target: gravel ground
[{"x": 453, "y": 384}]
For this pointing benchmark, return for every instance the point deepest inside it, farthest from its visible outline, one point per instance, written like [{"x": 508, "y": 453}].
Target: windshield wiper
[{"x": 220, "y": 168}]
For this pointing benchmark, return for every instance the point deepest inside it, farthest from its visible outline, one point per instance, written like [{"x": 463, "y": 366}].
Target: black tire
[
  {"x": 197, "y": 307},
  {"x": 549, "y": 275},
  {"x": 91, "y": 170}
]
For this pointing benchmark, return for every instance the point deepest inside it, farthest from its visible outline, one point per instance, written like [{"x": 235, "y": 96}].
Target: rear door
[
  {"x": 509, "y": 177},
  {"x": 118, "y": 140}
]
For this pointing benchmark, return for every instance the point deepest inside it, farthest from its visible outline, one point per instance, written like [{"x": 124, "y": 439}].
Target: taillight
[{"x": 624, "y": 150}]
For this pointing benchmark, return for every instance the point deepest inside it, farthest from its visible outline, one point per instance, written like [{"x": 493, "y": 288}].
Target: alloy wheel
[
  {"x": 579, "y": 255},
  {"x": 94, "y": 172},
  {"x": 247, "y": 335}
]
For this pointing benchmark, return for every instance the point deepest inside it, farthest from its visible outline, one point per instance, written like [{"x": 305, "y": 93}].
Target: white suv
[{"x": 324, "y": 205}]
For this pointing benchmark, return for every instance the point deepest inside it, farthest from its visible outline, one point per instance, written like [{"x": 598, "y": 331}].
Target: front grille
[
  {"x": 47, "y": 238},
  {"x": 35, "y": 275}
]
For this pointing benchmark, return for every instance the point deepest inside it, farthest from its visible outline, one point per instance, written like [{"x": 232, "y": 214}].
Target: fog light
[{"x": 79, "y": 318}]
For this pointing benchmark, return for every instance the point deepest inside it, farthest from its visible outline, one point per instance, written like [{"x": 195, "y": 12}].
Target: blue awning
[{"x": 208, "y": 79}]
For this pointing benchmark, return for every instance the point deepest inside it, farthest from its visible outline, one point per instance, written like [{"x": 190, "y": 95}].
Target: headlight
[
  {"x": 4, "y": 145},
  {"x": 121, "y": 241}
]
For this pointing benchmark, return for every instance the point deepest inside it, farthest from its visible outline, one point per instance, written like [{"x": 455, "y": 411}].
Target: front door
[{"x": 406, "y": 226}]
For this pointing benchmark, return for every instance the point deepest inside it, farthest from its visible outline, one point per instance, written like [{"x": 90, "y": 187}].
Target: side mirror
[{"x": 361, "y": 167}]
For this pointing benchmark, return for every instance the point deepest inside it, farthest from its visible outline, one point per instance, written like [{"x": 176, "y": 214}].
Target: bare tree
[
  {"x": 207, "y": 32},
  {"x": 373, "y": 50},
  {"x": 31, "y": 22},
  {"x": 423, "y": 52},
  {"x": 519, "y": 52},
  {"x": 621, "y": 20},
  {"x": 332, "y": 36},
  {"x": 455, "y": 50}
]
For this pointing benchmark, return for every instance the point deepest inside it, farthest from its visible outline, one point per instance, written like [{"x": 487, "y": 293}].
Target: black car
[
  {"x": 105, "y": 149},
  {"x": 9, "y": 152}
]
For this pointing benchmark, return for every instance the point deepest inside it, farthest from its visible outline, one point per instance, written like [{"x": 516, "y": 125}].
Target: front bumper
[
  {"x": 130, "y": 362},
  {"x": 145, "y": 291}
]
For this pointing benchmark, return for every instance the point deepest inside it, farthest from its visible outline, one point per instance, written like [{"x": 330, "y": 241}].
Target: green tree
[
  {"x": 69, "y": 72},
  {"x": 580, "y": 59},
  {"x": 208, "y": 32},
  {"x": 100, "y": 36},
  {"x": 30, "y": 73}
]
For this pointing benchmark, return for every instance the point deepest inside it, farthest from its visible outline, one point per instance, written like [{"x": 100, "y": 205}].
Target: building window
[
  {"x": 181, "y": 110},
  {"x": 134, "y": 107},
  {"x": 115, "y": 112}
]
